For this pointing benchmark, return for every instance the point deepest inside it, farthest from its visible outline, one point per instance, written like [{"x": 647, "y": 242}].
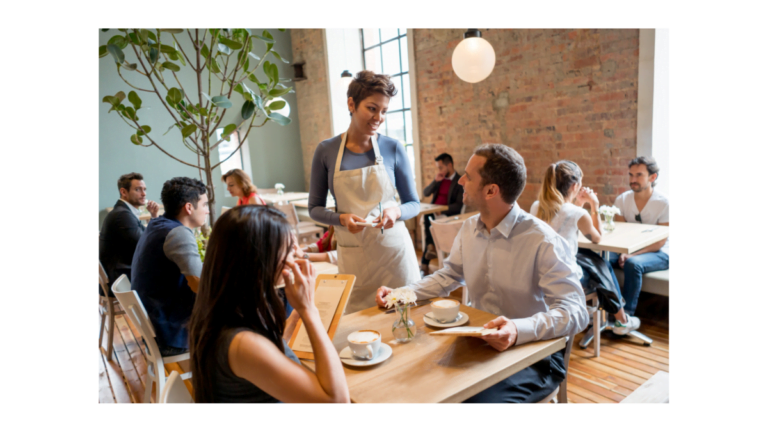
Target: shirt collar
[
  {"x": 453, "y": 176},
  {"x": 136, "y": 212},
  {"x": 505, "y": 226}
]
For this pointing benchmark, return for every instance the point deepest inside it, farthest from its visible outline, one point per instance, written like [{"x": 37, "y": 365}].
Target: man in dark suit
[
  {"x": 122, "y": 228},
  {"x": 445, "y": 190}
]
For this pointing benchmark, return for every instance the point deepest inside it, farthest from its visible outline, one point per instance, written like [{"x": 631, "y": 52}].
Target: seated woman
[
  {"x": 236, "y": 331},
  {"x": 560, "y": 203},
  {"x": 239, "y": 185},
  {"x": 324, "y": 250}
]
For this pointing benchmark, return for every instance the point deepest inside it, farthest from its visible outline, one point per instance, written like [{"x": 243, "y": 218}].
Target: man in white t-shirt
[{"x": 643, "y": 204}]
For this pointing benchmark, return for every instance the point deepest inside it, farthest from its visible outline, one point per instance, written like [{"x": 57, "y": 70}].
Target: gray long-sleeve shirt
[
  {"x": 324, "y": 163},
  {"x": 522, "y": 270}
]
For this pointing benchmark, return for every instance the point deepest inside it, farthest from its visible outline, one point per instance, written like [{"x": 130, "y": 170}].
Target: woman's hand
[
  {"x": 349, "y": 221},
  {"x": 587, "y": 195},
  {"x": 388, "y": 217},
  {"x": 301, "y": 291}
]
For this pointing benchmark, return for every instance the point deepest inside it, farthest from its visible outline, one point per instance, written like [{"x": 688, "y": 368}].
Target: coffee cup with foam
[
  {"x": 445, "y": 310},
  {"x": 364, "y": 344}
]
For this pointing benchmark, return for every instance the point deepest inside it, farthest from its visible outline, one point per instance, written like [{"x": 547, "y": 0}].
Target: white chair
[
  {"x": 175, "y": 391},
  {"x": 444, "y": 232},
  {"x": 560, "y": 395},
  {"x": 307, "y": 232},
  {"x": 107, "y": 311},
  {"x": 135, "y": 312}
]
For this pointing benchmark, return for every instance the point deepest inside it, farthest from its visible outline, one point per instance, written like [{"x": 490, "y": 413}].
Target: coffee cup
[
  {"x": 364, "y": 344},
  {"x": 445, "y": 310}
]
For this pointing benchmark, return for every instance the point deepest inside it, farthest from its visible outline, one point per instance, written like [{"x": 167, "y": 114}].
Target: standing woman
[
  {"x": 364, "y": 170},
  {"x": 239, "y": 185}
]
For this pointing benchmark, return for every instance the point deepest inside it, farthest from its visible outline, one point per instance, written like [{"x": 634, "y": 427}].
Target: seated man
[
  {"x": 121, "y": 229},
  {"x": 515, "y": 266},
  {"x": 445, "y": 190},
  {"x": 643, "y": 204},
  {"x": 167, "y": 265}
]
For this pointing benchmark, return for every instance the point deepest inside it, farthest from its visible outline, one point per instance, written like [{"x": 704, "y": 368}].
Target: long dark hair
[{"x": 246, "y": 252}]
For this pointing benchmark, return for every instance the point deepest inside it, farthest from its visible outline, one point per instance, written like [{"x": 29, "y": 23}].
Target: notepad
[{"x": 465, "y": 331}]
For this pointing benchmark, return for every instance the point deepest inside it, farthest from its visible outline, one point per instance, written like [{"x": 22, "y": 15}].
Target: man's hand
[
  {"x": 623, "y": 259},
  {"x": 380, "y": 294},
  {"x": 349, "y": 221},
  {"x": 439, "y": 177},
  {"x": 505, "y": 337},
  {"x": 388, "y": 217},
  {"x": 153, "y": 208}
]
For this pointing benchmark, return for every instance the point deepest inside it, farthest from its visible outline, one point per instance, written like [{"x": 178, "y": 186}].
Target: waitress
[{"x": 364, "y": 170}]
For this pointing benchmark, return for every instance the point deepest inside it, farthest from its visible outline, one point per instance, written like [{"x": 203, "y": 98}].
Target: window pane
[
  {"x": 370, "y": 37},
  {"x": 407, "y": 90},
  {"x": 395, "y": 126},
  {"x": 396, "y": 103},
  {"x": 391, "y": 58},
  {"x": 408, "y": 127},
  {"x": 404, "y": 53},
  {"x": 409, "y": 150},
  {"x": 387, "y": 34},
  {"x": 225, "y": 149},
  {"x": 373, "y": 60},
  {"x": 403, "y": 31}
]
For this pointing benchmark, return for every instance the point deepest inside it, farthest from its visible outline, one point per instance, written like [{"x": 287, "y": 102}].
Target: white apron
[{"x": 374, "y": 258}]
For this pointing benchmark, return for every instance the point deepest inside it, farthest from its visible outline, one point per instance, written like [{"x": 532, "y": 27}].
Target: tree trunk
[{"x": 211, "y": 188}]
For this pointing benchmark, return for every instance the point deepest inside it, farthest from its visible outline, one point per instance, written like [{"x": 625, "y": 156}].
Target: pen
[{"x": 381, "y": 219}]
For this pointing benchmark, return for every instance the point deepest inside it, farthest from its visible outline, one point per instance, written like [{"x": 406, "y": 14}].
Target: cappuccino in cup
[
  {"x": 364, "y": 344},
  {"x": 444, "y": 310}
]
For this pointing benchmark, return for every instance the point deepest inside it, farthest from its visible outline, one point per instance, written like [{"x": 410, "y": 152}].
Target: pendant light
[{"x": 474, "y": 58}]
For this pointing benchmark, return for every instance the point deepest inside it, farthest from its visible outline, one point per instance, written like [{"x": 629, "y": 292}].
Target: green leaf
[
  {"x": 239, "y": 88},
  {"x": 252, "y": 78},
  {"x": 247, "y": 110},
  {"x": 130, "y": 66},
  {"x": 214, "y": 33},
  {"x": 174, "y": 96},
  {"x": 279, "y": 119},
  {"x": 277, "y": 105},
  {"x": 230, "y": 43},
  {"x": 103, "y": 51},
  {"x": 268, "y": 35},
  {"x": 134, "y": 99},
  {"x": 144, "y": 130},
  {"x": 203, "y": 111},
  {"x": 254, "y": 56},
  {"x": 181, "y": 57},
  {"x": 224, "y": 49},
  {"x": 282, "y": 30},
  {"x": 169, "y": 129},
  {"x": 173, "y": 56},
  {"x": 151, "y": 35},
  {"x": 116, "y": 52},
  {"x": 134, "y": 38},
  {"x": 204, "y": 51},
  {"x": 242, "y": 57},
  {"x": 105, "y": 30},
  {"x": 153, "y": 55},
  {"x": 228, "y": 131},
  {"x": 215, "y": 66},
  {"x": 167, "y": 49},
  {"x": 172, "y": 66},
  {"x": 130, "y": 113},
  {"x": 174, "y": 31},
  {"x": 279, "y": 58},
  {"x": 119, "y": 41},
  {"x": 279, "y": 92},
  {"x": 188, "y": 130},
  {"x": 221, "y": 102},
  {"x": 120, "y": 96},
  {"x": 268, "y": 40},
  {"x": 144, "y": 35},
  {"x": 136, "y": 139},
  {"x": 207, "y": 97}
]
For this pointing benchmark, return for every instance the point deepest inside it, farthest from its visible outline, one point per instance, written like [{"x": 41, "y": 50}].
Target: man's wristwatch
[{"x": 306, "y": 256}]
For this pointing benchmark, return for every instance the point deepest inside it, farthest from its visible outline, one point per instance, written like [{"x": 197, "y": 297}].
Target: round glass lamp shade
[{"x": 473, "y": 59}]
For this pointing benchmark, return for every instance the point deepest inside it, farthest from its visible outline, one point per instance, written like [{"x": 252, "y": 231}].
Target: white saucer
[
  {"x": 463, "y": 319},
  {"x": 385, "y": 352}
]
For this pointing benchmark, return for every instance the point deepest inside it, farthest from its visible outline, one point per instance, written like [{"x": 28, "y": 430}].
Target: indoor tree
[{"x": 221, "y": 61}]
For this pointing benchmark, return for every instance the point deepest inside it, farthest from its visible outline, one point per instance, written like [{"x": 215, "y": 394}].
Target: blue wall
[{"x": 275, "y": 150}]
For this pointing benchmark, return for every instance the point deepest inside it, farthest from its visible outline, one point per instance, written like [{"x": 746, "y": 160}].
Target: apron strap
[
  {"x": 379, "y": 159},
  {"x": 376, "y": 152}
]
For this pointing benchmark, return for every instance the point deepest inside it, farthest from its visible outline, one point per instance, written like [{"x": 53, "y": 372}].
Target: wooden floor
[{"x": 622, "y": 367}]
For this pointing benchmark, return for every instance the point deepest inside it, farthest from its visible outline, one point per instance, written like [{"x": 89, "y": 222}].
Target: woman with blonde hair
[
  {"x": 239, "y": 185},
  {"x": 561, "y": 201}
]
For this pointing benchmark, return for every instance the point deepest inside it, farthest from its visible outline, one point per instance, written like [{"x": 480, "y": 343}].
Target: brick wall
[
  {"x": 311, "y": 95},
  {"x": 553, "y": 94}
]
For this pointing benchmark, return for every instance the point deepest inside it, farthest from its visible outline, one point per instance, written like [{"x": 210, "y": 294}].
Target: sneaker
[
  {"x": 633, "y": 323},
  {"x": 431, "y": 253}
]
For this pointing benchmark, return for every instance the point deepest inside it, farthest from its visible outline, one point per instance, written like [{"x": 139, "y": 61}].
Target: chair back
[
  {"x": 265, "y": 191},
  {"x": 290, "y": 212},
  {"x": 103, "y": 280},
  {"x": 135, "y": 311},
  {"x": 444, "y": 232},
  {"x": 175, "y": 391}
]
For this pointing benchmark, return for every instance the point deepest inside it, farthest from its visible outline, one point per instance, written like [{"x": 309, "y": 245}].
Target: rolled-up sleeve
[
  {"x": 567, "y": 314},
  {"x": 181, "y": 247}
]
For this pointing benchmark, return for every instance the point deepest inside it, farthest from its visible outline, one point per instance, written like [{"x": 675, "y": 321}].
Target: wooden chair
[
  {"x": 444, "y": 232},
  {"x": 560, "y": 395},
  {"x": 134, "y": 310},
  {"x": 107, "y": 311},
  {"x": 307, "y": 232},
  {"x": 175, "y": 391}
]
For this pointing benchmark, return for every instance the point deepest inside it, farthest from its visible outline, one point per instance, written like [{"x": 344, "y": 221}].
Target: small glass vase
[
  {"x": 609, "y": 225},
  {"x": 279, "y": 191},
  {"x": 404, "y": 329}
]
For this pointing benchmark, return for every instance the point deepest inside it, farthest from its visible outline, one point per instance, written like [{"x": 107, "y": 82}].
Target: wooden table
[
  {"x": 286, "y": 196},
  {"x": 304, "y": 203},
  {"x": 432, "y": 369},
  {"x": 626, "y": 238}
]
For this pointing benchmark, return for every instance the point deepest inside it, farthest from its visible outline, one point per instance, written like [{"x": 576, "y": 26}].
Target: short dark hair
[
  {"x": 181, "y": 190},
  {"x": 503, "y": 167},
  {"x": 444, "y": 158},
  {"x": 124, "y": 182},
  {"x": 367, "y": 83},
  {"x": 650, "y": 165}
]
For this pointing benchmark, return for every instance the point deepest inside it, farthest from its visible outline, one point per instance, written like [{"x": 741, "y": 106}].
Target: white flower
[
  {"x": 401, "y": 296},
  {"x": 609, "y": 211},
  {"x": 279, "y": 186}
]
